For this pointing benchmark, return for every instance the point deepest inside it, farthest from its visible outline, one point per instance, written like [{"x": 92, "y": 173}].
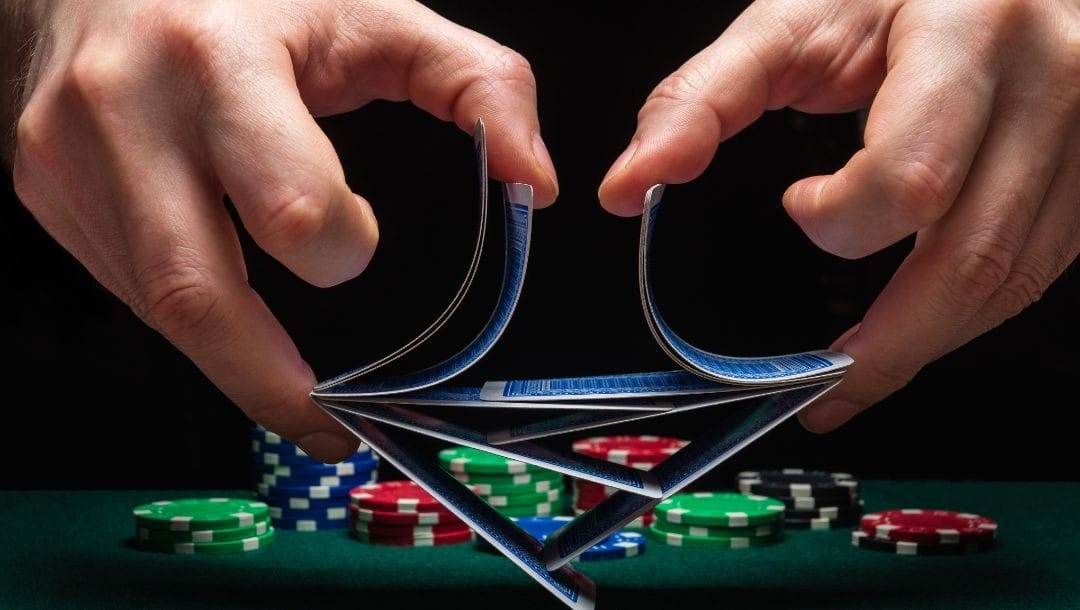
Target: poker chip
[
  {"x": 473, "y": 461},
  {"x": 435, "y": 540},
  {"x": 640, "y": 522},
  {"x": 513, "y": 489},
  {"x": 800, "y": 483},
  {"x": 219, "y": 535},
  {"x": 929, "y": 526},
  {"x": 820, "y": 523},
  {"x": 334, "y": 513},
  {"x": 844, "y": 513},
  {"x": 705, "y": 531},
  {"x": 356, "y": 465},
  {"x": 199, "y": 548},
  {"x": 313, "y": 492},
  {"x": 530, "y": 510},
  {"x": 395, "y": 518},
  {"x": 280, "y": 481},
  {"x": 302, "y": 493},
  {"x": 523, "y": 499},
  {"x": 724, "y": 509},
  {"x": 803, "y": 504},
  {"x": 618, "y": 545},
  {"x": 524, "y": 478},
  {"x": 402, "y": 496},
  {"x": 407, "y": 531},
  {"x": 704, "y": 542},
  {"x": 626, "y": 449},
  {"x": 200, "y": 514},
  {"x": 863, "y": 540}
]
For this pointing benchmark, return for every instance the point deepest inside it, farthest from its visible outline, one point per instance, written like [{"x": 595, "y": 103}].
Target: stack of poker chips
[
  {"x": 717, "y": 520},
  {"x": 197, "y": 526},
  {"x": 638, "y": 451},
  {"x": 302, "y": 493},
  {"x": 511, "y": 487},
  {"x": 915, "y": 531},
  {"x": 621, "y": 544},
  {"x": 815, "y": 499},
  {"x": 401, "y": 513}
]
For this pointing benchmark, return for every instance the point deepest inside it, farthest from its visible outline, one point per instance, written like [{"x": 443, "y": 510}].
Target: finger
[
  {"x": 1052, "y": 245},
  {"x": 773, "y": 55},
  {"x": 456, "y": 74},
  {"x": 191, "y": 286},
  {"x": 286, "y": 181},
  {"x": 954, "y": 269},
  {"x": 924, "y": 129}
]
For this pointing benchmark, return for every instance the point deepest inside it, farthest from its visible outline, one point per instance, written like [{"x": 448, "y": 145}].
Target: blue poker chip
[
  {"x": 282, "y": 481},
  {"x": 314, "y": 492},
  {"x": 616, "y": 546},
  {"x": 310, "y": 525},
  {"x": 328, "y": 514},
  {"x": 352, "y": 466},
  {"x": 302, "y": 503}
]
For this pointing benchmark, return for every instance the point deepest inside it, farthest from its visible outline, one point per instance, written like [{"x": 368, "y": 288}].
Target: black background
[{"x": 94, "y": 399}]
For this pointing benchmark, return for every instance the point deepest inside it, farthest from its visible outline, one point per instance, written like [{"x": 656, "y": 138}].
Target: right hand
[{"x": 138, "y": 117}]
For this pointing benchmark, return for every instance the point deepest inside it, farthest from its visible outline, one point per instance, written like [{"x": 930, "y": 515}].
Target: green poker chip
[
  {"x": 721, "y": 509},
  {"x": 512, "y": 489},
  {"x": 222, "y": 535},
  {"x": 252, "y": 543},
  {"x": 525, "y": 478},
  {"x": 200, "y": 514},
  {"x": 703, "y": 542},
  {"x": 542, "y": 509},
  {"x": 474, "y": 461},
  {"x": 553, "y": 496},
  {"x": 714, "y": 531}
]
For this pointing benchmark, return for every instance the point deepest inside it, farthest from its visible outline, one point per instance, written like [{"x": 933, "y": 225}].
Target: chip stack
[
  {"x": 717, "y": 520},
  {"x": 401, "y": 513},
  {"x": 620, "y": 545},
  {"x": 511, "y": 487},
  {"x": 638, "y": 451},
  {"x": 302, "y": 493},
  {"x": 814, "y": 499},
  {"x": 197, "y": 526},
  {"x": 916, "y": 531}
]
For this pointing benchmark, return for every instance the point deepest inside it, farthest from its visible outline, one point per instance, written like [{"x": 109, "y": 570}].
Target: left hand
[{"x": 972, "y": 143}]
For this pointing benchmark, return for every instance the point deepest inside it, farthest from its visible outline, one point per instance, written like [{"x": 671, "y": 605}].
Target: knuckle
[
  {"x": 510, "y": 65},
  {"x": 1024, "y": 286},
  {"x": 175, "y": 297},
  {"x": 888, "y": 377},
  {"x": 34, "y": 135},
  {"x": 198, "y": 41},
  {"x": 293, "y": 222},
  {"x": 98, "y": 79},
  {"x": 680, "y": 86},
  {"x": 922, "y": 190},
  {"x": 983, "y": 268}
]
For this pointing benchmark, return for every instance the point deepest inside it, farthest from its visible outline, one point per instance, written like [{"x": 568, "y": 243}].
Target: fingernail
[
  {"x": 620, "y": 163},
  {"x": 325, "y": 447},
  {"x": 543, "y": 159}
]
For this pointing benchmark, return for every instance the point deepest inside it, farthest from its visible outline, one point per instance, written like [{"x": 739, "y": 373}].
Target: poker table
[{"x": 74, "y": 549}]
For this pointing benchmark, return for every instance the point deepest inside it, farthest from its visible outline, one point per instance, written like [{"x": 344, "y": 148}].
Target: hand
[
  {"x": 140, "y": 117},
  {"x": 972, "y": 143}
]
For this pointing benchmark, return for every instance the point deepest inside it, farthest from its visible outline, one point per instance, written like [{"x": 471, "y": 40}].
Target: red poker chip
[
  {"x": 929, "y": 526},
  {"x": 594, "y": 489},
  {"x": 410, "y": 531},
  {"x": 394, "y": 496},
  {"x": 433, "y": 517},
  {"x": 642, "y": 450},
  {"x": 433, "y": 540}
]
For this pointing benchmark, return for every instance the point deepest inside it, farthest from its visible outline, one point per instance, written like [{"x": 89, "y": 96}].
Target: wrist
[{"x": 20, "y": 20}]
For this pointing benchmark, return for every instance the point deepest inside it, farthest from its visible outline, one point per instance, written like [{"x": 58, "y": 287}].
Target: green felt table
[{"x": 73, "y": 549}]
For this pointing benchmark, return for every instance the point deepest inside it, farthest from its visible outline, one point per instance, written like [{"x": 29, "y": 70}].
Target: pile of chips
[
  {"x": 638, "y": 451},
  {"x": 915, "y": 531},
  {"x": 196, "y": 526},
  {"x": 619, "y": 545},
  {"x": 401, "y": 513},
  {"x": 814, "y": 499},
  {"x": 511, "y": 487},
  {"x": 717, "y": 520},
  {"x": 302, "y": 493}
]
